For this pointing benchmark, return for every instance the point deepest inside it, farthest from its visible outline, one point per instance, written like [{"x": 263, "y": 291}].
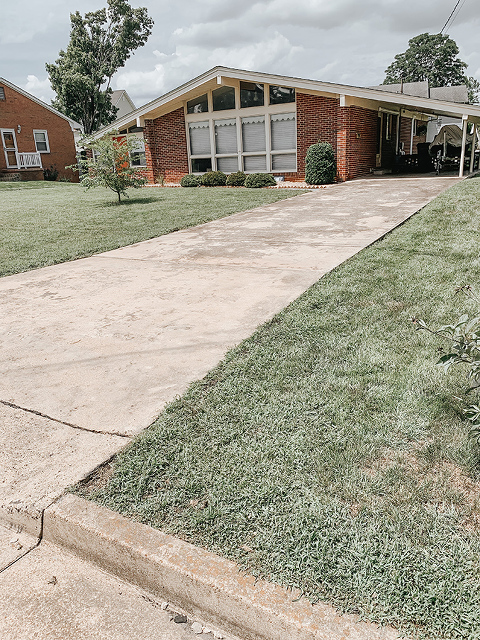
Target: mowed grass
[
  {"x": 327, "y": 452},
  {"x": 43, "y": 223}
]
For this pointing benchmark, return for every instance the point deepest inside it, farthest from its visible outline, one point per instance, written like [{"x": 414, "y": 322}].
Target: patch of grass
[
  {"x": 327, "y": 452},
  {"x": 60, "y": 221}
]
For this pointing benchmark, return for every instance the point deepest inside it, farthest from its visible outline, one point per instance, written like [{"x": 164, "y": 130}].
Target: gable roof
[
  {"x": 219, "y": 75},
  {"x": 118, "y": 94},
  {"x": 73, "y": 124}
]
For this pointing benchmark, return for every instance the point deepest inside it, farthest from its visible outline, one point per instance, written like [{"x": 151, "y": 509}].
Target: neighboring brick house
[
  {"x": 231, "y": 120},
  {"x": 34, "y": 137}
]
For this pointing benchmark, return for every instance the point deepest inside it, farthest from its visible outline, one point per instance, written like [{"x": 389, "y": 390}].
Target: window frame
[
  {"x": 35, "y": 131},
  {"x": 238, "y": 113}
]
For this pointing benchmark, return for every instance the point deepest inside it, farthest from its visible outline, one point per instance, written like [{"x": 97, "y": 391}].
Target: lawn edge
[{"x": 200, "y": 582}]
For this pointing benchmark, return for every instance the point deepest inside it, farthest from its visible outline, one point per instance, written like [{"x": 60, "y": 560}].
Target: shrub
[
  {"x": 236, "y": 179},
  {"x": 259, "y": 180},
  {"x": 320, "y": 165},
  {"x": 190, "y": 180},
  {"x": 50, "y": 174},
  {"x": 213, "y": 179}
]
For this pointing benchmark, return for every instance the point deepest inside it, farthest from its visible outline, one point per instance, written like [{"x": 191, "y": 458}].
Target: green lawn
[
  {"x": 327, "y": 452},
  {"x": 44, "y": 223}
]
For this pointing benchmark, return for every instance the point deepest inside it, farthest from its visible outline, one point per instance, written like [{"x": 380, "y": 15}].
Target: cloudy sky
[{"x": 345, "y": 41}]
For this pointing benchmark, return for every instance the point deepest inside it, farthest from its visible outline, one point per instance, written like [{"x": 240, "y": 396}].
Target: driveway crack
[{"x": 67, "y": 424}]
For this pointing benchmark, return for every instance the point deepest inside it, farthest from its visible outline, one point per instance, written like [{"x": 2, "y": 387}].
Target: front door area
[{"x": 9, "y": 143}]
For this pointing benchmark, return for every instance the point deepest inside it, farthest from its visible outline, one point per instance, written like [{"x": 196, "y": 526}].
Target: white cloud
[{"x": 39, "y": 88}]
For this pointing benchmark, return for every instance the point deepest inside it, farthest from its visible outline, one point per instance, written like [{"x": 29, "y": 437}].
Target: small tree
[
  {"x": 110, "y": 165},
  {"x": 320, "y": 165}
]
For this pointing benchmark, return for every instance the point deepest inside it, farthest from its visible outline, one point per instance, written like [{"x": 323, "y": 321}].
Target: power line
[{"x": 450, "y": 16}]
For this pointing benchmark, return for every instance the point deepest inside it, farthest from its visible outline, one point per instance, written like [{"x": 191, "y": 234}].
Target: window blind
[
  {"x": 199, "y": 138},
  {"x": 226, "y": 136},
  {"x": 255, "y": 163},
  {"x": 284, "y": 131},
  {"x": 227, "y": 165},
  {"x": 284, "y": 162},
  {"x": 253, "y": 132}
]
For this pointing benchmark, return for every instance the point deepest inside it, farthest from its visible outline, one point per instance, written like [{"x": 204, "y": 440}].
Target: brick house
[
  {"x": 231, "y": 120},
  {"x": 34, "y": 136}
]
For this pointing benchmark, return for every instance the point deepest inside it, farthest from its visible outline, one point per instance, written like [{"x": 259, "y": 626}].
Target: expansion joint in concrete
[{"x": 67, "y": 424}]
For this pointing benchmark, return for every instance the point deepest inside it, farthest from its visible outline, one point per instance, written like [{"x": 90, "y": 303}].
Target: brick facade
[
  {"x": 352, "y": 132},
  {"x": 406, "y": 132},
  {"x": 18, "y": 109},
  {"x": 166, "y": 147}
]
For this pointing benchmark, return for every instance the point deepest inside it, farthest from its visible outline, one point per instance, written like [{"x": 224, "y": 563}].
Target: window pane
[
  {"x": 226, "y": 136},
  {"x": 255, "y": 163},
  {"x": 280, "y": 95},
  {"x": 138, "y": 159},
  {"x": 199, "y": 138},
  {"x": 284, "y": 162},
  {"x": 223, "y": 98},
  {"x": 284, "y": 134},
  {"x": 251, "y": 94},
  {"x": 253, "y": 132},
  {"x": 2, "y": 93},
  {"x": 41, "y": 141},
  {"x": 198, "y": 105},
  {"x": 228, "y": 165},
  {"x": 201, "y": 165}
]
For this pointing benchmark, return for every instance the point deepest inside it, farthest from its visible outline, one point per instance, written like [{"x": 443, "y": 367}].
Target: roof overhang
[{"x": 348, "y": 95}]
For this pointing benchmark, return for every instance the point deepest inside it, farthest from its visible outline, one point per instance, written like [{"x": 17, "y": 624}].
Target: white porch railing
[{"x": 29, "y": 160}]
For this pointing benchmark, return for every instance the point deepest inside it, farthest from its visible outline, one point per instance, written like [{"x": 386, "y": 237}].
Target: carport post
[
  {"x": 464, "y": 138},
  {"x": 474, "y": 144}
]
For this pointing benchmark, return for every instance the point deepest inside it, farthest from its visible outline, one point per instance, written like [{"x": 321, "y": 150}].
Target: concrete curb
[{"x": 202, "y": 583}]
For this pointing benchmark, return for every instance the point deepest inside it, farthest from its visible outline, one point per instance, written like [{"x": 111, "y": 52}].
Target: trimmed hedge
[
  {"x": 190, "y": 180},
  {"x": 320, "y": 165},
  {"x": 259, "y": 180},
  {"x": 236, "y": 179},
  {"x": 213, "y": 179}
]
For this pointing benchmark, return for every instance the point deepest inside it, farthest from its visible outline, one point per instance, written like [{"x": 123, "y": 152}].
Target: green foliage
[
  {"x": 100, "y": 44},
  {"x": 213, "y": 179},
  {"x": 259, "y": 180},
  {"x": 190, "y": 180},
  {"x": 464, "y": 337},
  {"x": 50, "y": 173},
  {"x": 110, "y": 167},
  {"x": 432, "y": 57},
  {"x": 236, "y": 179},
  {"x": 320, "y": 165}
]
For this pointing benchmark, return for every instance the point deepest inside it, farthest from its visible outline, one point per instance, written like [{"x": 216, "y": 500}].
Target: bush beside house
[{"x": 320, "y": 165}]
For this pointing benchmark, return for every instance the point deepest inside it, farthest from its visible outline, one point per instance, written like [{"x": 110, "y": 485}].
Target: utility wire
[{"x": 450, "y": 16}]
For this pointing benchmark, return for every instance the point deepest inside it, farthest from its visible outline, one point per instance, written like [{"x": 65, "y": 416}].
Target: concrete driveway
[{"x": 93, "y": 349}]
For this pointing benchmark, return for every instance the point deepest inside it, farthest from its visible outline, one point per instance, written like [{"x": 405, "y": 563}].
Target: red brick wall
[
  {"x": 352, "y": 132},
  {"x": 316, "y": 122},
  {"x": 356, "y": 141},
  {"x": 406, "y": 132},
  {"x": 166, "y": 147},
  {"x": 18, "y": 109}
]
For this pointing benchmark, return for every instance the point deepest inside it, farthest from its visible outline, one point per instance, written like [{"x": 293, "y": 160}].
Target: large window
[
  {"x": 223, "y": 98},
  {"x": 281, "y": 95},
  {"x": 199, "y": 138},
  {"x": 251, "y": 94},
  {"x": 41, "y": 141},
  {"x": 260, "y": 139},
  {"x": 138, "y": 157},
  {"x": 198, "y": 105},
  {"x": 283, "y": 138}
]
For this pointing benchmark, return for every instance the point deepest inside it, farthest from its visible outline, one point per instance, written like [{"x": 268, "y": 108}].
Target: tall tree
[
  {"x": 432, "y": 57},
  {"x": 100, "y": 44}
]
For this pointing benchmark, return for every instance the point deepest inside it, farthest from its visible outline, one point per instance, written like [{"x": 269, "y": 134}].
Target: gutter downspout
[
  {"x": 464, "y": 138},
  {"x": 411, "y": 135},
  {"x": 474, "y": 144}
]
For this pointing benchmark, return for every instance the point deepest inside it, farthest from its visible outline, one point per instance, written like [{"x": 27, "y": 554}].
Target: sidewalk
[{"x": 94, "y": 349}]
